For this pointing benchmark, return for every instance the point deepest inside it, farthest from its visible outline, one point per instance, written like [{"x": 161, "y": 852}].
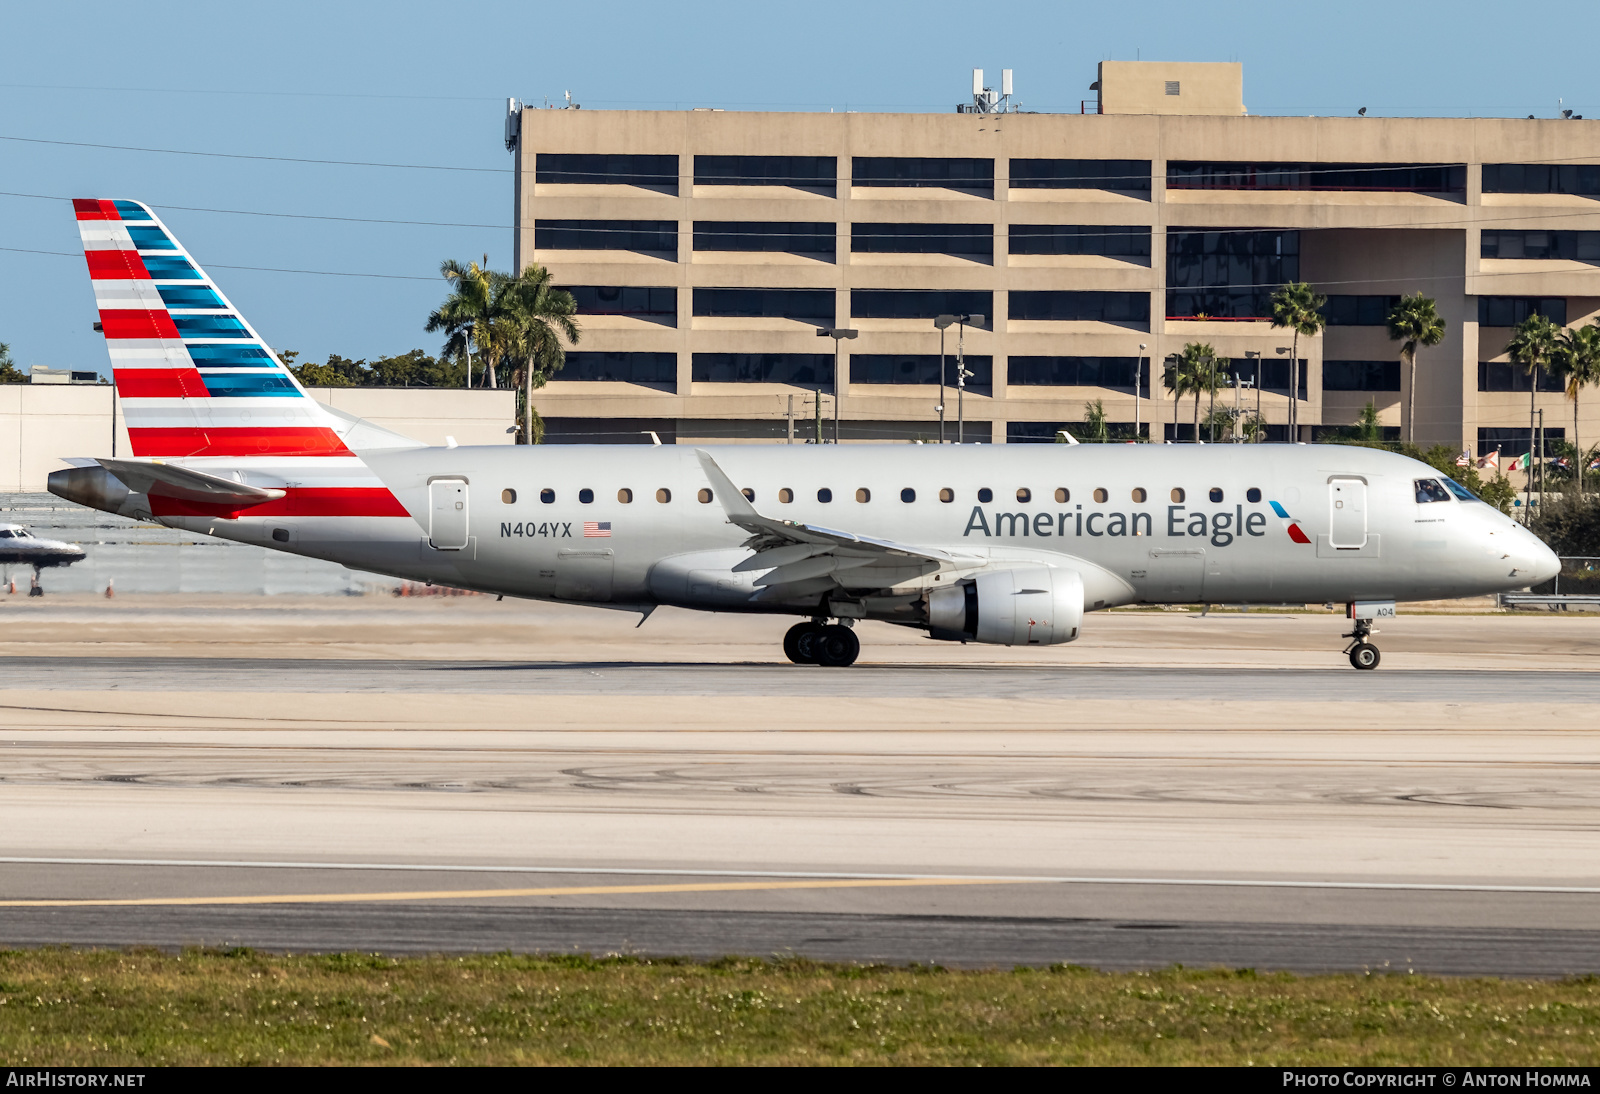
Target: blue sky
[{"x": 424, "y": 84}]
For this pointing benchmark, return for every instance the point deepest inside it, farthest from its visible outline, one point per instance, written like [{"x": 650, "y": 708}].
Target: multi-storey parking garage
[{"x": 707, "y": 248}]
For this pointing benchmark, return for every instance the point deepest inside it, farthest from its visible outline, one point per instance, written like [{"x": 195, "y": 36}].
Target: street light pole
[
  {"x": 1211, "y": 383},
  {"x": 942, "y": 323},
  {"x": 1137, "y": 368},
  {"x": 835, "y": 333},
  {"x": 1171, "y": 361},
  {"x": 1293, "y": 389},
  {"x": 962, "y": 373}
]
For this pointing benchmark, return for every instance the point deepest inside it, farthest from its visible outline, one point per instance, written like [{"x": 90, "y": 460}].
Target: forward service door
[
  {"x": 1347, "y": 509},
  {"x": 447, "y": 504}
]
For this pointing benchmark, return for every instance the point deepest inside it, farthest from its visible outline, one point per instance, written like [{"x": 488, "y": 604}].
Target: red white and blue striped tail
[{"x": 194, "y": 378}]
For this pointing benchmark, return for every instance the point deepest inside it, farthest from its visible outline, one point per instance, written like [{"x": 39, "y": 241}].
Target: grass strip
[{"x": 143, "y": 1007}]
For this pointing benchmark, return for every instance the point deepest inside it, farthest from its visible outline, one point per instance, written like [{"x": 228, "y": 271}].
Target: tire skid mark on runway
[{"x": 480, "y": 894}]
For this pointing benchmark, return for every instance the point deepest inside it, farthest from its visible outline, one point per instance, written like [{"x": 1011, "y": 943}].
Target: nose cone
[{"x": 1539, "y": 560}]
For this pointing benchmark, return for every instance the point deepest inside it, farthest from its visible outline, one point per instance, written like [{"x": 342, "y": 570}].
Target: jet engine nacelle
[{"x": 1027, "y": 606}]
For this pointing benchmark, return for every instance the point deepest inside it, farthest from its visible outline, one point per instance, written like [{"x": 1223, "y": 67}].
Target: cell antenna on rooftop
[{"x": 985, "y": 100}]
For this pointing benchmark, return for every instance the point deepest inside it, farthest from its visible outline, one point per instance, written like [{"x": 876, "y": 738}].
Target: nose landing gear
[
  {"x": 1362, "y": 654},
  {"x": 812, "y": 643}
]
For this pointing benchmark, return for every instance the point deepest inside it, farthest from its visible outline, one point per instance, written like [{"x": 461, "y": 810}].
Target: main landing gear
[
  {"x": 812, "y": 643},
  {"x": 1362, "y": 654}
]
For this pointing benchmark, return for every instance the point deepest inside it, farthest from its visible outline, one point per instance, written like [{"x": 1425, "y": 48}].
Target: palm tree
[
  {"x": 1299, "y": 308},
  {"x": 467, "y": 315},
  {"x": 1182, "y": 376},
  {"x": 534, "y": 316},
  {"x": 1176, "y": 380},
  {"x": 1199, "y": 360},
  {"x": 1095, "y": 427},
  {"x": 1413, "y": 322},
  {"x": 1533, "y": 343},
  {"x": 1577, "y": 358}
]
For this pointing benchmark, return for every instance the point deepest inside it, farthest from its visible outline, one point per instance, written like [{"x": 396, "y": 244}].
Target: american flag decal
[{"x": 597, "y": 529}]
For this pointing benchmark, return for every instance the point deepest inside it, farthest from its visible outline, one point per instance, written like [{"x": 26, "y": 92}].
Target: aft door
[
  {"x": 447, "y": 530},
  {"x": 1347, "y": 520}
]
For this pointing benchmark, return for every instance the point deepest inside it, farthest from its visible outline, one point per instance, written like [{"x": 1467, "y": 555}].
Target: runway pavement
[{"x": 399, "y": 777}]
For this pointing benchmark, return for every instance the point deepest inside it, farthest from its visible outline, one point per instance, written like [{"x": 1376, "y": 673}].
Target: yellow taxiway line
[{"x": 478, "y": 894}]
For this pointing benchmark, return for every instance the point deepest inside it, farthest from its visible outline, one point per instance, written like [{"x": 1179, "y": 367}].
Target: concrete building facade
[{"x": 707, "y": 247}]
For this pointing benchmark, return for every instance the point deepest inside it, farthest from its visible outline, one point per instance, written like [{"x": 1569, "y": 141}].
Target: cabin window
[
  {"x": 824, "y": 495},
  {"x": 508, "y": 496},
  {"x": 625, "y": 495},
  {"x": 1024, "y": 494},
  {"x": 1252, "y": 495},
  {"x": 663, "y": 495},
  {"x": 586, "y": 496},
  {"x": 1138, "y": 493},
  {"x": 1063, "y": 494},
  {"x": 1177, "y": 494},
  {"x": 704, "y": 496},
  {"x": 946, "y": 494},
  {"x": 547, "y": 495},
  {"x": 1100, "y": 494},
  {"x": 863, "y": 494},
  {"x": 908, "y": 495},
  {"x": 1216, "y": 493},
  {"x": 985, "y": 494},
  {"x": 749, "y": 494},
  {"x": 785, "y": 495}
]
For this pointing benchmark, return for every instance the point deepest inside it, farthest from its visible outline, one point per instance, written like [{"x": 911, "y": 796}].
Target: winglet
[
  {"x": 735, "y": 504},
  {"x": 1069, "y": 437}
]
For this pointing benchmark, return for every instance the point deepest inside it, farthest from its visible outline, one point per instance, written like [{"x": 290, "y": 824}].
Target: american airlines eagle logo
[{"x": 1290, "y": 525}]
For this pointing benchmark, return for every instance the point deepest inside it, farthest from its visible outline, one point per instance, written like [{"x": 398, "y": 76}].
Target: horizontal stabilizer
[{"x": 186, "y": 484}]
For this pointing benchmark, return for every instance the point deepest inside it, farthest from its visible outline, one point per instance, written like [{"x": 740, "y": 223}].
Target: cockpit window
[
  {"x": 1460, "y": 491},
  {"x": 5, "y": 533},
  {"x": 1431, "y": 490}
]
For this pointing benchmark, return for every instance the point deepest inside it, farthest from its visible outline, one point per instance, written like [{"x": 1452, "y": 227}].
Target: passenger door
[
  {"x": 447, "y": 503},
  {"x": 1347, "y": 513}
]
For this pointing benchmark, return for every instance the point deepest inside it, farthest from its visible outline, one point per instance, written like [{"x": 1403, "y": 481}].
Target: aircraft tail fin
[{"x": 194, "y": 378}]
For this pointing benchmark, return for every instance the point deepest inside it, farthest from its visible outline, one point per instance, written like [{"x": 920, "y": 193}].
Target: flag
[
  {"x": 1594, "y": 463},
  {"x": 1490, "y": 462},
  {"x": 1519, "y": 464},
  {"x": 597, "y": 529},
  {"x": 1465, "y": 459},
  {"x": 1564, "y": 464}
]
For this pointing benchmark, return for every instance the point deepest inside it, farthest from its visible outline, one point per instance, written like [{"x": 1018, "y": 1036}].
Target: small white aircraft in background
[
  {"x": 20, "y": 547},
  {"x": 1007, "y": 544}
]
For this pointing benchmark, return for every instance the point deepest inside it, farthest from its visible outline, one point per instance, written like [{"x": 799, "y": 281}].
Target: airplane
[
  {"x": 1002, "y": 544},
  {"x": 18, "y": 546}
]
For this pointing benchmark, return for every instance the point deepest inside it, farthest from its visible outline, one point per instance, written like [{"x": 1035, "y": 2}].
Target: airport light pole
[
  {"x": 942, "y": 323},
  {"x": 835, "y": 333}
]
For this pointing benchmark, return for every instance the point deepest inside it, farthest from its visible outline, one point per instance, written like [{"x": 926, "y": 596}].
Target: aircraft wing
[
  {"x": 185, "y": 483},
  {"x": 806, "y": 559}
]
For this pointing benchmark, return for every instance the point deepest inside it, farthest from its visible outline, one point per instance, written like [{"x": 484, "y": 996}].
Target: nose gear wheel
[{"x": 1362, "y": 654}]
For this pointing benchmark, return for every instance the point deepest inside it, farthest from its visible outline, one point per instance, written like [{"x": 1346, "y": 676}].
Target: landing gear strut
[
  {"x": 812, "y": 643},
  {"x": 1362, "y": 654}
]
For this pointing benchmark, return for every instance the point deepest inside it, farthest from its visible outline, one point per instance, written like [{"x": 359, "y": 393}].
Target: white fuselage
[{"x": 1138, "y": 522}]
